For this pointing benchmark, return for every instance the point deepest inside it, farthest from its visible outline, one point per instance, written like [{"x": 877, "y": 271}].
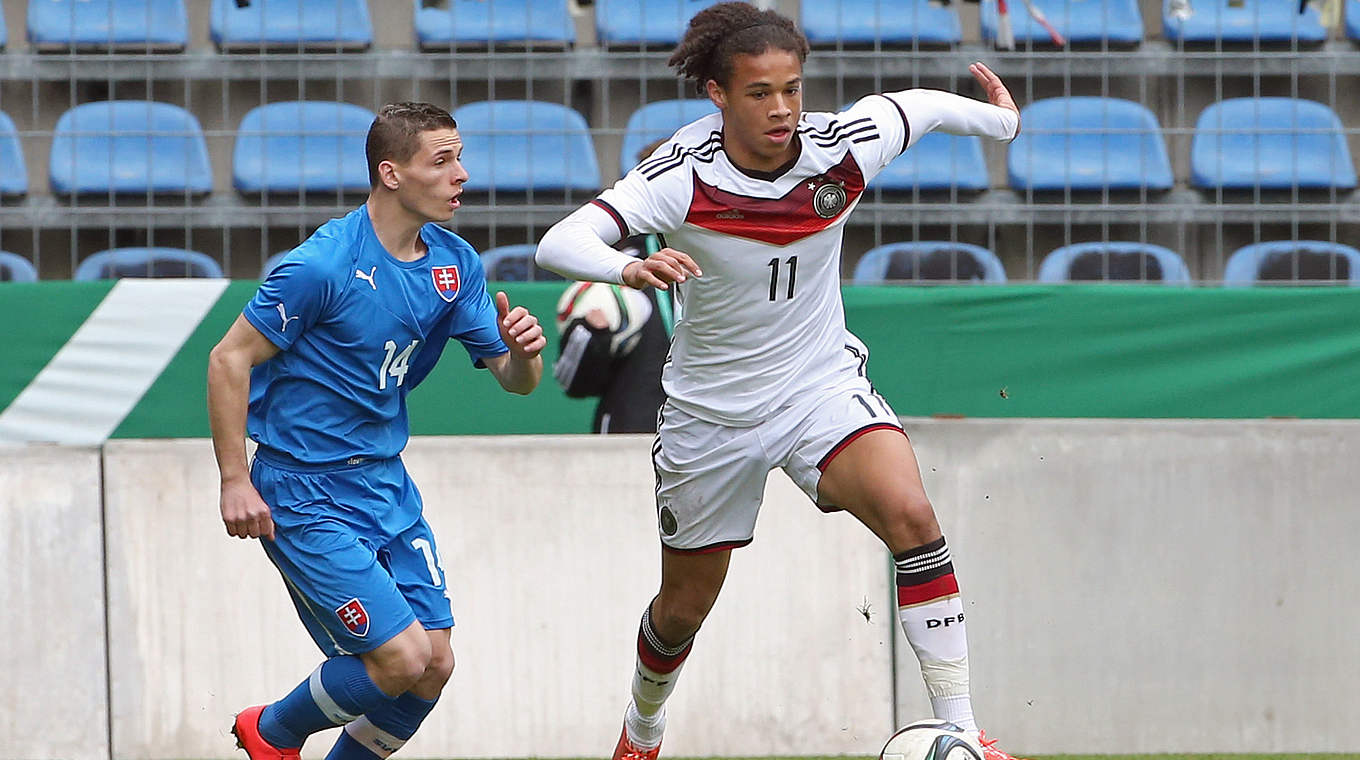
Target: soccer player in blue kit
[{"x": 316, "y": 370}]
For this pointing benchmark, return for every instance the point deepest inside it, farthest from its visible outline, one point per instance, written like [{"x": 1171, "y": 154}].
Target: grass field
[{"x": 1275, "y": 756}]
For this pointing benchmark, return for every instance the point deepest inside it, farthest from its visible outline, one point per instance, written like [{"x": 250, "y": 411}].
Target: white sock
[
  {"x": 931, "y": 614},
  {"x": 644, "y": 731}
]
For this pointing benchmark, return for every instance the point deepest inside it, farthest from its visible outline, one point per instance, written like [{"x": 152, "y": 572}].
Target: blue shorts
[{"x": 350, "y": 541}]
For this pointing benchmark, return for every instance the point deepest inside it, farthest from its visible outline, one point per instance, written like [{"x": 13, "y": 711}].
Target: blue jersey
[{"x": 358, "y": 329}]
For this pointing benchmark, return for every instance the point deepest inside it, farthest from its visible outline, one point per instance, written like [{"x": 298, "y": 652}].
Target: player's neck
[
  {"x": 762, "y": 167},
  {"x": 397, "y": 229}
]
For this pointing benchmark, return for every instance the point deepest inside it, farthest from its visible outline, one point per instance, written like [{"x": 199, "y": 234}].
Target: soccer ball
[
  {"x": 931, "y": 740},
  {"x": 626, "y": 310}
]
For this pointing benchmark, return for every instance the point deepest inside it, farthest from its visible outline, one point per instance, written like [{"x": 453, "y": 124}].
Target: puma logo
[
  {"x": 359, "y": 273},
  {"x": 286, "y": 319}
]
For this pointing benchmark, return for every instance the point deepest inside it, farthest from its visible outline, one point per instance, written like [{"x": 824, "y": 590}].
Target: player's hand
[
  {"x": 997, "y": 94},
  {"x": 243, "y": 511},
  {"x": 519, "y": 329},
  {"x": 661, "y": 268}
]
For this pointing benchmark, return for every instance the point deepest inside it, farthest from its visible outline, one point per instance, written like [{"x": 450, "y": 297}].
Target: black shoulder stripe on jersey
[
  {"x": 833, "y": 127},
  {"x": 906, "y": 125},
  {"x": 676, "y": 156},
  {"x": 868, "y": 128},
  {"x": 706, "y": 156}
]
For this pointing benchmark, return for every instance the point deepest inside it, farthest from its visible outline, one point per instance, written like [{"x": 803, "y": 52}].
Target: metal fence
[{"x": 56, "y": 229}]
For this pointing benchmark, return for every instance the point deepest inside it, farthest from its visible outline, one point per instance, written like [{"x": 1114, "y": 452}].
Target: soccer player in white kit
[{"x": 752, "y": 202}]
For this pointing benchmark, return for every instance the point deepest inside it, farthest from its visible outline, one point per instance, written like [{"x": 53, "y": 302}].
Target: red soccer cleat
[
  {"x": 626, "y": 751},
  {"x": 989, "y": 750},
  {"x": 246, "y": 728}
]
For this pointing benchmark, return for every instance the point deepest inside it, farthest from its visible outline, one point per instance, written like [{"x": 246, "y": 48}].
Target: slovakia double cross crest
[
  {"x": 445, "y": 282},
  {"x": 354, "y": 616}
]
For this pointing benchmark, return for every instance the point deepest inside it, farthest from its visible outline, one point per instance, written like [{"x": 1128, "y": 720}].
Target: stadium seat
[
  {"x": 522, "y": 146},
  {"x": 644, "y": 22},
  {"x": 14, "y": 179},
  {"x": 937, "y": 162},
  {"x": 132, "y": 24},
  {"x": 1270, "y": 143},
  {"x": 1082, "y": 22},
  {"x": 302, "y": 147},
  {"x": 4, "y": 31},
  {"x": 1107, "y": 261},
  {"x": 886, "y": 22},
  {"x": 1244, "y": 21},
  {"x": 318, "y": 24},
  {"x": 656, "y": 121},
  {"x": 16, "y": 268},
  {"x": 1088, "y": 144},
  {"x": 1353, "y": 20},
  {"x": 932, "y": 261},
  {"x": 1292, "y": 261},
  {"x": 129, "y": 147},
  {"x": 515, "y": 263},
  {"x": 486, "y": 23},
  {"x": 146, "y": 262}
]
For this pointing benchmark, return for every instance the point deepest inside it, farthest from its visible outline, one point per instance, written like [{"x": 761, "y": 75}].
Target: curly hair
[
  {"x": 720, "y": 32},
  {"x": 395, "y": 133}
]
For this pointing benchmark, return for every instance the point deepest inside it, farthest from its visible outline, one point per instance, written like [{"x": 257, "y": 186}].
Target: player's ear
[
  {"x": 387, "y": 175},
  {"x": 715, "y": 93}
]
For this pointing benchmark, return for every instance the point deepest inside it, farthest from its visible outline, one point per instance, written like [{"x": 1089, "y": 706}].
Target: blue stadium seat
[
  {"x": 133, "y": 24},
  {"x": 146, "y": 262},
  {"x": 930, "y": 261},
  {"x": 1106, "y": 261},
  {"x": 656, "y": 121},
  {"x": 14, "y": 179},
  {"x": 1114, "y": 22},
  {"x": 937, "y": 162},
  {"x": 526, "y": 146},
  {"x": 302, "y": 147},
  {"x": 129, "y": 147},
  {"x": 888, "y": 22},
  {"x": 1088, "y": 144},
  {"x": 1353, "y": 19},
  {"x": 1292, "y": 261},
  {"x": 1244, "y": 21},
  {"x": 644, "y": 22},
  {"x": 486, "y": 23},
  {"x": 16, "y": 268},
  {"x": 515, "y": 263},
  {"x": 4, "y": 32},
  {"x": 325, "y": 24},
  {"x": 1271, "y": 143}
]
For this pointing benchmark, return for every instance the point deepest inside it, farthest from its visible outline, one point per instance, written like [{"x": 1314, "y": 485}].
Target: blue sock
[
  {"x": 336, "y": 693},
  {"x": 383, "y": 731}
]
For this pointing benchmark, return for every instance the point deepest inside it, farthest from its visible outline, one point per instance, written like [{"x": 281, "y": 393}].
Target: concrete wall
[
  {"x": 54, "y": 698},
  {"x": 1130, "y": 586}
]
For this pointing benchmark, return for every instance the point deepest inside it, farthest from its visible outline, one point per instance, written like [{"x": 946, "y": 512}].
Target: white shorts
[{"x": 710, "y": 478}]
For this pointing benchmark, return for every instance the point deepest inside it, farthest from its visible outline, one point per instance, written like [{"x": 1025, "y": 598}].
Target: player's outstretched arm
[
  {"x": 244, "y": 513},
  {"x": 519, "y": 370},
  {"x": 930, "y": 110}
]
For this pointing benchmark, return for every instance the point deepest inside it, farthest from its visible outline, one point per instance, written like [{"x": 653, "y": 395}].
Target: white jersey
[{"x": 765, "y": 321}]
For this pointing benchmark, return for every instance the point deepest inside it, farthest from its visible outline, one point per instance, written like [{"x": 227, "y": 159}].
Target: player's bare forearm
[
  {"x": 517, "y": 373},
  {"x": 244, "y": 513}
]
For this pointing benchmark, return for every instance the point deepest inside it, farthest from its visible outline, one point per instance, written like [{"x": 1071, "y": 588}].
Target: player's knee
[
  {"x": 913, "y": 518},
  {"x": 440, "y": 668},
  {"x": 402, "y": 663}
]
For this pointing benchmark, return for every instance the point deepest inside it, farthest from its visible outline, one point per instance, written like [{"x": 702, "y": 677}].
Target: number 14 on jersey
[{"x": 396, "y": 364}]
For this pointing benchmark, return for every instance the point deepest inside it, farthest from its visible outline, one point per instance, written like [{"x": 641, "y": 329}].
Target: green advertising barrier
[{"x": 978, "y": 351}]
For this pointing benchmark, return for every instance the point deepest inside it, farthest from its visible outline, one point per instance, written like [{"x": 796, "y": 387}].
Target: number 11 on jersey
[
  {"x": 792, "y": 264},
  {"x": 396, "y": 364}
]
